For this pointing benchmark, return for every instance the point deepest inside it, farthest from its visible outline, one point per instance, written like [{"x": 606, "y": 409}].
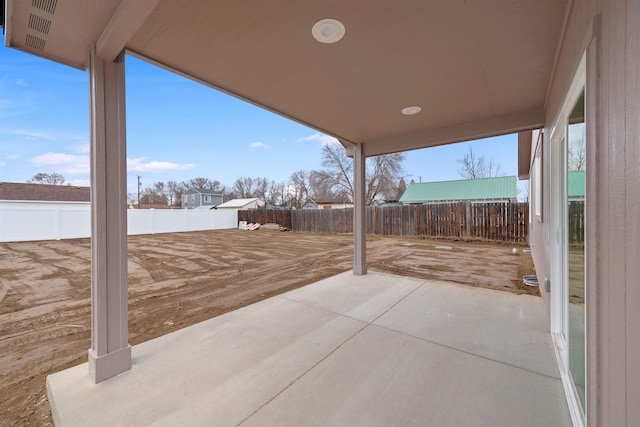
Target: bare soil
[{"x": 176, "y": 280}]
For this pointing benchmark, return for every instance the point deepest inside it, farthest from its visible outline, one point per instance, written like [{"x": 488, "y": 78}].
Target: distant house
[
  {"x": 500, "y": 189},
  {"x": 12, "y": 191},
  {"x": 242, "y": 204},
  {"x": 339, "y": 203},
  {"x": 201, "y": 198}
]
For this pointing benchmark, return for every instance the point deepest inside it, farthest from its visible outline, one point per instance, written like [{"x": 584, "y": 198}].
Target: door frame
[{"x": 557, "y": 240}]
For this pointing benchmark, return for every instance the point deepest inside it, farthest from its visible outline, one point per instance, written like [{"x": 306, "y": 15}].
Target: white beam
[
  {"x": 123, "y": 25},
  {"x": 359, "y": 212},
  {"x": 110, "y": 353},
  {"x": 483, "y": 128}
]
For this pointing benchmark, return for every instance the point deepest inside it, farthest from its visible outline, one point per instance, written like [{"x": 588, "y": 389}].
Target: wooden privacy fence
[
  {"x": 506, "y": 222},
  {"x": 468, "y": 221},
  {"x": 575, "y": 232},
  {"x": 267, "y": 216}
]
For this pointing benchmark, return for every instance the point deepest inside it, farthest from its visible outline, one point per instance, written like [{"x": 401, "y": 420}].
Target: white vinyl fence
[{"x": 26, "y": 221}]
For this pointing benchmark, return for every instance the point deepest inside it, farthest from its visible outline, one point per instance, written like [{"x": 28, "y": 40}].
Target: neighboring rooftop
[
  {"x": 238, "y": 203},
  {"x": 500, "y": 188},
  {"x": 203, "y": 191},
  {"x": 336, "y": 201},
  {"x": 576, "y": 184},
  {"x": 43, "y": 192}
]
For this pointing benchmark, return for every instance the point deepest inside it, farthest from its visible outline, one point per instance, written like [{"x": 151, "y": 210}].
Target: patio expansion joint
[
  {"x": 467, "y": 352},
  {"x": 329, "y": 354},
  {"x": 325, "y": 309}
]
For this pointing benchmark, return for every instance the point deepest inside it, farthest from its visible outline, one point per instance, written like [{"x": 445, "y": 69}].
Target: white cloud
[
  {"x": 84, "y": 148},
  {"x": 63, "y": 163},
  {"x": 321, "y": 138},
  {"x": 79, "y": 163},
  {"x": 3, "y": 163},
  {"x": 28, "y": 133},
  {"x": 138, "y": 165},
  {"x": 259, "y": 144},
  {"x": 12, "y": 157}
]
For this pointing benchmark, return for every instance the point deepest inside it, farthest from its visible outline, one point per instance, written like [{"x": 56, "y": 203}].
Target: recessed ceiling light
[
  {"x": 407, "y": 111},
  {"x": 328, "y": 30}
]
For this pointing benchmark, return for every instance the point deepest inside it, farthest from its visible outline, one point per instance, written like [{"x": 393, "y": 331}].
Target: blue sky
[{"x": 176, "y": 130}]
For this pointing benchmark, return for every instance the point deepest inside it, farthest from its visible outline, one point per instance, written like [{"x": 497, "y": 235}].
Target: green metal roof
[
  {"x": 576, "y": 182},
  {"x": 500, "y": 188}
]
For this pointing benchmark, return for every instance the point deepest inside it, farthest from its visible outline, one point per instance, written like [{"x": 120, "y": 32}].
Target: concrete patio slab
[
  {"x": 366, "y": 297},
  {"x": 384, "y": 378},
  {"x": 338, "y": 352},
  {"x": 214, "y": 373},
  {"x": 508, "y": 328}
]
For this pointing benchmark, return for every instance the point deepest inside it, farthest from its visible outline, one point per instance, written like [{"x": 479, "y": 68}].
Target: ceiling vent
[
  {"x": 40, "y": 24},
  {"x": 48, "y": 6},
  {"x": 35, "y": 42}
]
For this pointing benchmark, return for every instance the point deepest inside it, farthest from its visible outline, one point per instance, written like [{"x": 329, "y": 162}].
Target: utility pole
[{"x": 139, "y": 191}]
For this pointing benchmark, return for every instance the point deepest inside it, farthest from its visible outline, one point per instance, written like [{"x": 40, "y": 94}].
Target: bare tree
[
  {"x": 277, "y": 193},
  {"x": 322, "y": 186},
  {"x": 174, "y": 191},
  {"x": 474, "y": 167},
  {"x": 47, "y": 178},
  {"x": 199, "y": 182},
  {"x": 216, "y": 186},
  {"x": 154, "y": 195},
  {"x": 383, "y": 173},
  {"x": 339, "y": 167},
  {"x": 205, "y": 183},
  {"x": 576, "y": 155},
  {"x": 260, "y": 188},
  {"x": 159, "y": 187},
  {"x": 299, "y": 188},
  {"x": 243, "y": 187}
]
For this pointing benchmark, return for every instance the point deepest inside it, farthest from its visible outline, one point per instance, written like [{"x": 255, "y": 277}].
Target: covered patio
[
  {"x": 381, "y": 79},
  {"x": 377, "y": 81},
  {"x": 350, "y": 350}
]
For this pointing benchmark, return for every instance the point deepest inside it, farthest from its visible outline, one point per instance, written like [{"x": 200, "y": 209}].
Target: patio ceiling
[{"x": 477, "y": 68}]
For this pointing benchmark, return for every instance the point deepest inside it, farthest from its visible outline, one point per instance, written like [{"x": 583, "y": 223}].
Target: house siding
[
  {"x": 199, "y": 199},
  {"x": 609, "y": 29}
]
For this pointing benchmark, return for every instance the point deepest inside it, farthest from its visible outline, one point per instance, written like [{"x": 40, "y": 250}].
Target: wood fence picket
[{"x": 505, "y": 222}]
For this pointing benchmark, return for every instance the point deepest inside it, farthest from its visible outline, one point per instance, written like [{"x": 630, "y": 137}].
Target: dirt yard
[{"x": 176, "y": 280}]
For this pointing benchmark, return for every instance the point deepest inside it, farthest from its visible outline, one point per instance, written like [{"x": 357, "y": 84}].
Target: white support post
[
  {"x": 359, "y": 212},
  {"x": 110, "y": 352}
]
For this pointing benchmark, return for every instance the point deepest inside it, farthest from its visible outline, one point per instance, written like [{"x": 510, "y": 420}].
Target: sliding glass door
[
  {"x": 567, "y": 249},
  {"x": 574, "y": 245}
]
